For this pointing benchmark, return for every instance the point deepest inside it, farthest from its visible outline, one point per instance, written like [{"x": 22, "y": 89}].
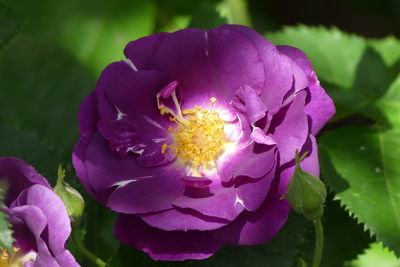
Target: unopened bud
[
  {"x": 73, "y": 201},
  {"x": 306, "y": 193}
]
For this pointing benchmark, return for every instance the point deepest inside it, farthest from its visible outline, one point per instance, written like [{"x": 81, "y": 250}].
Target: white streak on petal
[
  {"x": 120, "y": 114},
  {"x": 238, "y": 200},
  {"x": 153, "y": 122},
  {"x": 159, "y": 140},
  {"x": 130, "y": 64},
  {"x": 125, "y": 182},
  {"x": 140, "y": 152}
]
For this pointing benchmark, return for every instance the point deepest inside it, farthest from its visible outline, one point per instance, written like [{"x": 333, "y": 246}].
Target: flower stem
[
  {"x": 319, "y": 242},
  {"x": 84, "y": 251}
]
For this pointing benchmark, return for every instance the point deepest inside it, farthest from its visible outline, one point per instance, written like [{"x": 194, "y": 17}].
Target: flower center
[
  {"x": 199, "y": 138},
  {"x": 14, "y": 258}
]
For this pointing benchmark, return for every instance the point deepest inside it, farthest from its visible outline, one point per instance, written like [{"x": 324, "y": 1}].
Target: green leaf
[
  {"x": 334, "y": 54},
  {"x": 6, "y": 239},
  {"x": 41, "y": 88},
  {"x": 389, "y": 104},
  {"x": 344, "y": 237},
  {"x": 98, "y": 38},
  {"x": 375, "y": 256},
  {"x": 388, "y": 48},
  {"x": 20, "y": 143},
  {"x": 95, "y": 34},
  {"x": 354, "y": 73},
  {"x": 8, "y": 25},
  {"x": 361, "y": 164},
  {"x": 206, "y": 17}
]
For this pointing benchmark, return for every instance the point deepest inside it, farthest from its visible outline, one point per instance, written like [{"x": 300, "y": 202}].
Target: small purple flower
[
  {"x": 192, "y": 139},
  {"x": 38, "y": 217}
]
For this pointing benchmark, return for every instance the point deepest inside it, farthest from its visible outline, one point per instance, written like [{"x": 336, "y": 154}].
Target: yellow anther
[
  {"x": 164, "y": 148},
  {"x": 11, "y": 258},
  {"x": 199, "y": 137}
]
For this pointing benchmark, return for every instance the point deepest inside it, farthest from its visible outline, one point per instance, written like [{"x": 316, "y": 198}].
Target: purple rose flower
[
  {"x": 192, "y": 139},
  {"x": 38, "y": 217}
]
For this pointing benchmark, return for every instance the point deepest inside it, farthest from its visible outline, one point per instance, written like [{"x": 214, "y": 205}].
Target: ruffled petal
[
  {"x": 164, "y": 245},
  {"x": 66, "y": 259},
  {"x": 107, "y": 171},
  {"x": 253, "y": 106},
  {"x": 320, "y": 107},
  {"x": 252, "y": 193},
  {"x": 140, "y": 52},
  {"x": 258, "y": 227},
  {"x": 111, "y": 74},
  {"x": 277, "y": 80},
  {"x": 19, "y": 176},
  {"x": 58, "y": 223},
  {"x": 137, "y": 125},
  {"x": 36, "y": 222},
  {"x": 254, "y": 161},
  {"x": 146, "y": 194},
  {"x": 78, "y": 161},
  {"x": 234, "y": 60},
  {"x": 88, "y": 116},
  {"x": 228, "y": 208},
  {"x": 183, "y": 220},
  {"x": 289, "y": 128}
]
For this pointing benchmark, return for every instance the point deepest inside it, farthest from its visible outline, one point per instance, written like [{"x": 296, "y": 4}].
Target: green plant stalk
[
  {"x": 319, "y": 243},
  {"x": 84, "y": 251}
]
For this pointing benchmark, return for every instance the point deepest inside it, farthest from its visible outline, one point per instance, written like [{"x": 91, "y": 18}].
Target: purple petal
[
  {"x": 290, "y": 128},
  {"x": 227, "y": 47},
  {"x": 228, "y": 208},
  {"x": 182, "y": 56},
  {"x": 110, "y": 75},
  {"x": 58, "y": 223},
  {"x": 258, "y": 136},
  {"x": 297, "y": 56},
  {"x": 253, "y": 193},
  {"x": 164, "y": 245},
  {"x": 253, "y": 228},
  {"x": 146, "y": 194},
  {"x": 277, "y": 80},
  {"x": 137, "y": 125},
  {"x": 36, "y": 222},
  {"x": 182, "y": 220},
  {"x": 78, "y": 160},
  {"x": 18, "y": 175},
  {"x": 196, "y": 182},
  {"x": 320, "y": 108},
  {"x": 105, "y": 169},
  {"x": 88, "y": 115},
  {"x": 255, "y": 109},
  {"x": 247, "y": 162},
  {"x": 141, "y": 52},
  {"x": 66, "y": 259}
]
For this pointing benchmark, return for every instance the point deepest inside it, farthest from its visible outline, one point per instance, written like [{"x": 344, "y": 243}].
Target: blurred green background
[{"x": 52, "y": 53}]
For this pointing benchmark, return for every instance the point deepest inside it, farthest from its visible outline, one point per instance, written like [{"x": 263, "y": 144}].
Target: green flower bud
[
  {"x": 73, "y": 201},
  {"x": 306, "y": 193}
]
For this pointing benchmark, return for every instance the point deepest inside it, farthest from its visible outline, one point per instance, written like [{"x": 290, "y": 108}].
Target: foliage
[{"x": 53, "y": 51}]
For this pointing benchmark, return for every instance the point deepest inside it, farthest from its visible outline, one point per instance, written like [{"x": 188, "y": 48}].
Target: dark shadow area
[{"x": 368, "y": 18}]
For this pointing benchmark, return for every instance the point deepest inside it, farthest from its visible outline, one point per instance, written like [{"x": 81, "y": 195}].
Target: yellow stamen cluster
[
  {"x": 10, "y": 259},
  {"x": 199, "y": 138}
]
